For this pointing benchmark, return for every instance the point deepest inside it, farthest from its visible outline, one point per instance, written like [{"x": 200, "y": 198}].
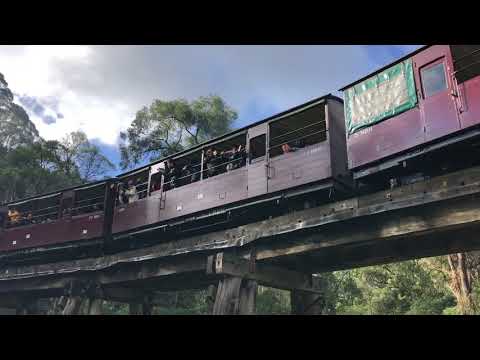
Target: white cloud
[
  {"x": 99, "y": 88},
  {"x": 33, "y": 71}
]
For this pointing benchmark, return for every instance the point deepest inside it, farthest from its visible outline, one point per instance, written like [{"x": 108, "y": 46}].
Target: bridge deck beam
[{"x": 433, "y": 217}]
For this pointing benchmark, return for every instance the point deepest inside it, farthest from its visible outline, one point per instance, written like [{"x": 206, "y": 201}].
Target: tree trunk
[{"x": 460, "y": 283}]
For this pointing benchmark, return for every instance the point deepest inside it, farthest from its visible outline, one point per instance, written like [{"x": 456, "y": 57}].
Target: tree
[
  {"x": 76, "y": 156},
  {"x": 460, "y": 273},
  {"x": 166, "y": 127},
  {"x": 30, "y": 165},
  {"x": 400, "y": 288},
  {"x": 16, "y": 129}
]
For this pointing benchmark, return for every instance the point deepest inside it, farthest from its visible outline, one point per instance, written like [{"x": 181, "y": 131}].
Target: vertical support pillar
[
  {"x": 248, "y": 297},
  {"x": 211, "y": 295},
  {"x": 306, "y": 303},
  {"x": 235, "y": 296},
  {"x": 146, "y": 306},
  {"x": 27, "y": 306},
  {"x": 95, "y": 307},
  {"x": 73, "y": 305},
  {"x": 135, "y": 309}
]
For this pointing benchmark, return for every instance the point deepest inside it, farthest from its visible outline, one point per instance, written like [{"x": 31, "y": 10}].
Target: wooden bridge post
[
  {"x": 82, "y": 295},
  {"x": 135, "y": 308},
  {"x": 305, "y": 302},
  {"x": 142, "y": 306},
  {"x": 95, "y": 307},
  {"x": 211, "y": 295},
  {"x": 27, "y": 306},
  {"x": 73, "y": 305},
  {"x": 235, "y": 296}
]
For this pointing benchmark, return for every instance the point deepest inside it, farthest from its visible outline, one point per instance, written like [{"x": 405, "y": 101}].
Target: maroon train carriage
[
  {"x": 266, "y": 172},
  {"x": 415, "y": 117},
  {"x": 69, "y": 216}
]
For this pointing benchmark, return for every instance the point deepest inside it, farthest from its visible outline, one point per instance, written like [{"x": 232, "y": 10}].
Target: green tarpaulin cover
[{"x": 381, "y": 96}]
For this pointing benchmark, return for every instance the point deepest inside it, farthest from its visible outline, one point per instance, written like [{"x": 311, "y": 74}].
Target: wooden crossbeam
[
  {"x": 273, "y": 276},
  {"x": 421, "y": 210}
]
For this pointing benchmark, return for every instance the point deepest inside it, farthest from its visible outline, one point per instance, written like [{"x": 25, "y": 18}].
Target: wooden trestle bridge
[{"x": 434, "y": 217}]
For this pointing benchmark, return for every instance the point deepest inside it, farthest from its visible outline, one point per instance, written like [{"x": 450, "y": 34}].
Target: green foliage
[
  {"x": 166, "y": 127},
  {"x": 272, "y": 301},
  {"x": 30, "y": 165},
  {"x": 115, "y": 308},
  {"x": 401, "y": 288},
  {"x": 16, "y": 129}
]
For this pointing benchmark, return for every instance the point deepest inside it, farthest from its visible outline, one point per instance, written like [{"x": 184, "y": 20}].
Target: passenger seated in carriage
[
  {"x": 185, "y": 176},
  {"x": 242, "y": 155},
  {"x": 216, "y": 161},
  {"x": 188, "y": 175},
  {"x": 232, "y": 157},
  {"x": 122, "y": 194},
  {"x": 29, "y": 219},
  {"x": 66, "y": 212},
  {"x": 14, "y": 216},
  {"x": 173, "y": 173},
  {"x": 296, "y": 145},
  {"x": 131, "y": 192},
  {"x": 156, "y": 184},
  {"x": 209, "y": 161}
]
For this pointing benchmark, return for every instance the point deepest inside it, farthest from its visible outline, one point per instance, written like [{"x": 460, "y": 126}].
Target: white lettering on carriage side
[
  {"x": 14, "y": 242},
  {"x": 364, "y": 131},
  {"x": 27, "y": 236},
  {"x": 84, "y": 231}
]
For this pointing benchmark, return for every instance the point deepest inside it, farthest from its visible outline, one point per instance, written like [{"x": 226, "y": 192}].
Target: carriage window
[
  {"x": 132, "y": 187},
  {"x": 179, "y": 171},
  {"x": 466, "y": 61},
  {"x": 46, "y": 210},
  {"x": 224, "y": 156},
  {"x": 258, "y": 147},
  {"x": 297, "y": 131},
  {"x": 36, "y": 211},
  {"x": 88, "y": 200},
  {"x": 156, "y": 173},
  {"x": 433, "y": 79}
]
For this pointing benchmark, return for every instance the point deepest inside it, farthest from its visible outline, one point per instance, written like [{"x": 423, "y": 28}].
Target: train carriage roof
[
  {"x": 409, "y": 55},
  {"x": 56, "y": 192}
]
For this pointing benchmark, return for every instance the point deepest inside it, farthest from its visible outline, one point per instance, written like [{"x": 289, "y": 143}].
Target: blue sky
[{"x": 98, "y": 89}]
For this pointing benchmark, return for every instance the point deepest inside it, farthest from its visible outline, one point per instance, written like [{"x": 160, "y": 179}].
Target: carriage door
[
  {"x": 156, "y": 183},
  {"x": 437, "y": 106},
  {"x": 257, "y": 160},
  {"x": 3, "y": 217},
  {"x": 66, "y": 204}
]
